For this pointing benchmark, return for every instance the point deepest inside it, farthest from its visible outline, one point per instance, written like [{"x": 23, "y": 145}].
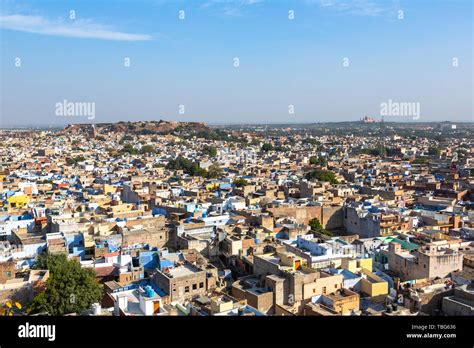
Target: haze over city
[{"x": 235, "y": 61}]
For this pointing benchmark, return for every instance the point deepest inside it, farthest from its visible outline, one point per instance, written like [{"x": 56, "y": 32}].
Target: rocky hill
[{"x": 139, "y": 127}]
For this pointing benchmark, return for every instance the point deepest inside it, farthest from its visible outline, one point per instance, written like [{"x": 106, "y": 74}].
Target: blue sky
[{"x": 190, "y": 62}]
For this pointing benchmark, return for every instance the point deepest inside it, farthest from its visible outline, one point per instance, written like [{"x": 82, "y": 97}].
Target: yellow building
[
  {"x": 121, "y": 208},
  {"x": 214, "y": 185},
  {"x": 18, "y": 201},
  {"x": 219, "y": 305},
  {"x": 343, "y": 302},
  {"x": 373, "y": 285},
  {"x": 291, "y": 260},
  {"x": 100, "y": 199},
  {"x": 109, "y": 189},
  {"x": 356, "y": 265}
]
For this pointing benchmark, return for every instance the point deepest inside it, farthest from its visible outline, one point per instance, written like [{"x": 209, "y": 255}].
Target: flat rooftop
[{"x": 182, "y": 271}]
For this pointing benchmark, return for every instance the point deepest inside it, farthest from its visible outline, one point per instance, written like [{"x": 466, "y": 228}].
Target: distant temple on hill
[{"x": 367, "y": 119}]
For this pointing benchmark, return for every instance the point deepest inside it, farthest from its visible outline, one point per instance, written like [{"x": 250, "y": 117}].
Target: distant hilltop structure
[
  {"x": 368, "y": 119},
  {"x": 446, "y": 125}
]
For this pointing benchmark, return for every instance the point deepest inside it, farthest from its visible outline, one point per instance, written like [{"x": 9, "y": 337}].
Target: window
[
  {"x": 335, "y": 286},
  {"x": 186, "y": 289},
  {"x": 324, "y": 289},
  {"x": 201, "y": 285},
  {"x": 195, "y": 286}
]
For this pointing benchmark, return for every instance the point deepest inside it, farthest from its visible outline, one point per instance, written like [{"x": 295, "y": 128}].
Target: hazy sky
[{"x": 328, "y": 60}]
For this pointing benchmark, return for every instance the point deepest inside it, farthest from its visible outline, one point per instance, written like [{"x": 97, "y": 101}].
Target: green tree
[
  {"x": 211, "y": 151},
  {"x": 128, "y": 148},
  {"x": 420, "y": 160},
  {"x": 240, "y": 182},
  {"x": 75, "y": 160},
  {"x": 311, "y": 141},
  {"x": 267, "y": 147},
  {"x": 377, "y": 151},
  {"x": 322, "y": 175},
  {"x": 320, "y": 161},
  {"x": 434, "y": 151},
  {"x": 280, "y": 148},
  {"x": 186, "y": 165},
  {"x": 147, "y": 149},
  {"x": 317, "y": 227},
  {"x": 146, "y": 131},
  {"x": 214, "y": 171},
  {"x": 69, "y": 288},
  {"x": 217, "y": 134},
  {"x": 255, "y": 141}
]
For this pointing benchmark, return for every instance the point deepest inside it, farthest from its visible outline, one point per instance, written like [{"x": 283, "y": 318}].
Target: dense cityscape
[
  {"x": 236, "y": 173},
  {"x": 163, "y": 218}
]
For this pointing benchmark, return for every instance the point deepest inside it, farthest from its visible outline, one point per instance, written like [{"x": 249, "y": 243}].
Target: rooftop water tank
[
  {"x": 149, "y": 291},
  {"x": 96, "y": 308}
]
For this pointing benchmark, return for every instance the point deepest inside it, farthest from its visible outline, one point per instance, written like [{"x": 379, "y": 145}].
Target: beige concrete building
[
  {"x": 342, "y": 302},
  {"x": 185, "y": 281},
  {"x": 429, "y": 262}
]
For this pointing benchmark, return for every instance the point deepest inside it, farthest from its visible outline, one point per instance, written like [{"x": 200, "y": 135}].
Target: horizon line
[{"x": 233, "y": 124}]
